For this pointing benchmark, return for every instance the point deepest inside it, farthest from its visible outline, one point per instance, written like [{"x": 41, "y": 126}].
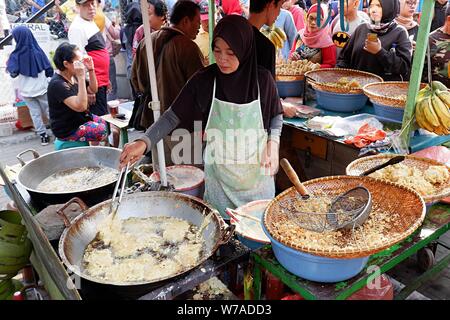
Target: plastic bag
[{"x": 379, "y": 289}]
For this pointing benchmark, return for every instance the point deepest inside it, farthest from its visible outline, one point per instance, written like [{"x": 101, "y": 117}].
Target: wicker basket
[
  {"x": 323, "y": 79},
  {"x": 405, "y": 217},
  {"x": 8, "y": 113},
  {"x": 360, "y": 165},
  {"x": 388, "y": 93},
  {"x": 289, "y": 78}
]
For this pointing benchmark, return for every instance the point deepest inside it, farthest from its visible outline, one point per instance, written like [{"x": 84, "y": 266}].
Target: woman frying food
[{"x": 241, "y": 116}]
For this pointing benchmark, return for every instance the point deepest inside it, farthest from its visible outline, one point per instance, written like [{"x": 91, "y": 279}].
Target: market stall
[{"x": 316, "y": 147}]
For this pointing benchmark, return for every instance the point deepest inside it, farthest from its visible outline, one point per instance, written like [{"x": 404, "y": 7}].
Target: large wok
[
  {"x": 83, "y": 229},
  {"x": 35, "y": 171}
]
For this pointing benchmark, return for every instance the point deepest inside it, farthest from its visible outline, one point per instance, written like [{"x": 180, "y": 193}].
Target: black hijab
[
  {"x": 241, "y": 85},
  {"x": 391, "y": 8}
]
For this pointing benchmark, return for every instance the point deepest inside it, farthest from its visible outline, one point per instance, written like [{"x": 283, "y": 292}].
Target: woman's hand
[
  {"x": 372, "y": 47},
  {"x": 132, "y": 152},
  {"x": 295, "y": 56},
  {"x": 80, "y": 70},
  {"x": 91, "y": 99},
  {"x": 270, "y": 158},
  {"x": 289, "y": 111},
  {"x": 88, "y": 63}
]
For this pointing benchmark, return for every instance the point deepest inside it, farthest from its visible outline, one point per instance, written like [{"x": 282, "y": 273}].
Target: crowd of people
[{"x": 377, "y": 36}]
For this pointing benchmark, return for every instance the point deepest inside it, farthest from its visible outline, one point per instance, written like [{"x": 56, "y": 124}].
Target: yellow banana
[
  {"x": 279, "y": 40},
  {"x": 437, "y": 85},
  {"x": 281, "y": 33},
  {"x": 429, "y": 113},
  {"x": 273, "y": 39},
  {"x": 424, "y": 92},
  {"x": 441, "y": 111},
  {"x": 420, "y": 117},
  {"x": 264, "y": 31},
  {"x": 441, "y": 131},
  {"x": 444, "y": 96}
]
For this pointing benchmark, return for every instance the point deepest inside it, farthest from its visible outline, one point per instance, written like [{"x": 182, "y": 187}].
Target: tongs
[{"x": 116, "y": 199}]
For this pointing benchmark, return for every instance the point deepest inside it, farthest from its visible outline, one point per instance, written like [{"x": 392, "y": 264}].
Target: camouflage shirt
[{"x": 440, "y": 56}]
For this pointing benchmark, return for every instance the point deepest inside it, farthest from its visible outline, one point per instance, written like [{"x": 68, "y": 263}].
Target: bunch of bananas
[
  {"x": 433, "y": 108},
  {"x": 275, "y": 35}
]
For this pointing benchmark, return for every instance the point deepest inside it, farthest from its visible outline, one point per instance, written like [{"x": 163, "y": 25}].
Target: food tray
[
  {"x": 360, "y": 165},
  {"x": 390, "y": 93},
  {"x": 320, "y": 79},
  {"x": 400, "y": 219}
]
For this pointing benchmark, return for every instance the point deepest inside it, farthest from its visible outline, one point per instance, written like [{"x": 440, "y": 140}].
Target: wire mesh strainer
[{"x": 322, "y": 213}]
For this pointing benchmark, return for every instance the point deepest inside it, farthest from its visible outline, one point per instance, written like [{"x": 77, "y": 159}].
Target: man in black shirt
[{"x": 264, "y": 12}]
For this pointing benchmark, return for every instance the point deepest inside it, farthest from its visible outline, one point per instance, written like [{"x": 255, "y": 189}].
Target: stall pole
[
  {"x": 211, "y": 25},
  {"x": 155, "y": 104},
  {"x": 417, "y": 69}
]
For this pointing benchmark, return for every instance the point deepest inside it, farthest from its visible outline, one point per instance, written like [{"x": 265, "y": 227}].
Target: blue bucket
[
  {"x": 252, "y": 244},
  {"x": 290, "y": 88},
  {"x": 391, "y": 113},
  {"x": 340, "y": 102},
  {"x": 315, "y": 268}
]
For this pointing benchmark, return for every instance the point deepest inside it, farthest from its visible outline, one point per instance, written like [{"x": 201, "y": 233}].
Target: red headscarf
[
  {"x": 317, "y": 39},
  {"x": 231, "y": 7}
]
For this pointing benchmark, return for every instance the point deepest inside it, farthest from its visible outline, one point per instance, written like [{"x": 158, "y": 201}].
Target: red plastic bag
[
  {"x": 365, "y": 136},
  {"x": 380, "y": 288}
]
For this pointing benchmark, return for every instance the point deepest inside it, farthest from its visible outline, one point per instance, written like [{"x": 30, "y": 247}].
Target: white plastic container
[{"x": 189, "y": 180}]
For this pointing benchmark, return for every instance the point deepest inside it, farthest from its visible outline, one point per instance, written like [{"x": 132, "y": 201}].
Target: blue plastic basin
[
  {"x": 290, "y": 88},
  {"x": 315, "y": 268},
  {"x": 391, "y": 113},
  {"x": 340, "y": 102}
]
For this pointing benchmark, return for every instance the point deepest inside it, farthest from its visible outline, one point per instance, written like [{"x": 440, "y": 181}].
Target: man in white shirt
[
  {"x": 85, "y": 34},
  {"x": 353, "y": 18}
]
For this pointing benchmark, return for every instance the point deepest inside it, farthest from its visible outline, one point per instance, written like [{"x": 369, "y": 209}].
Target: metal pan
[
  {"x": 83, "y": 229},
  {"x": 35, "y": 171}
]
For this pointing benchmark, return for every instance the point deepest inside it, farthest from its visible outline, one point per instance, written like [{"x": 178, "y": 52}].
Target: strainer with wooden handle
[{"x": 347, "y": 211}]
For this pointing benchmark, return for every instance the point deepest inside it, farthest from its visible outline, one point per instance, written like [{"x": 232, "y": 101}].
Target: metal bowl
[{"x": 35, "y": 171}]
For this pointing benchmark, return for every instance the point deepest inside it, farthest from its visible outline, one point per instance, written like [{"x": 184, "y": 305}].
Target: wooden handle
[{"x": 292, "y": 175}]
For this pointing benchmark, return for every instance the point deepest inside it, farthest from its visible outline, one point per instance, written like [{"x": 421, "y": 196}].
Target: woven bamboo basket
[
  {"x": 389, "y": 93},
  {"x": 324, "y": 79},
  {"x": 289, "y": 77},
  {"x": 358, "y": 166},
  {"x": 403, "y": 207}
]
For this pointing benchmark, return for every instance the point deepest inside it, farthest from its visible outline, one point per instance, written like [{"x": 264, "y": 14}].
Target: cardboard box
[{"x": 25, "y": 117}]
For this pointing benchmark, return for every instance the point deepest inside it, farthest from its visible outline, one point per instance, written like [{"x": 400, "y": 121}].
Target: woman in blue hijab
[{"x": 29, "y": 65}]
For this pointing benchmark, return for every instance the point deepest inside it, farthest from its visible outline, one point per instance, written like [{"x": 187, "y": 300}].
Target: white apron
[{"x": 235, "y": 141}]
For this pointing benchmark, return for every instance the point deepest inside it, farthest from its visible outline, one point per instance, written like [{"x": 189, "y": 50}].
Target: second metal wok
[{"x": 35, "y": 171}]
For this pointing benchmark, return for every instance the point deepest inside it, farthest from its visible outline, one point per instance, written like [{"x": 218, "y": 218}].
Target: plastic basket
[
  {"x": 392, "y": 113},
  {"x": 8, "y": 114},
  {"x": 290, "y": 88},
  {"x": 340, "y": 102}
]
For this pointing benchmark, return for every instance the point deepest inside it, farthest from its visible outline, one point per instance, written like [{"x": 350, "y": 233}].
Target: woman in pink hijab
[{"x": 314, "y": 44}]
